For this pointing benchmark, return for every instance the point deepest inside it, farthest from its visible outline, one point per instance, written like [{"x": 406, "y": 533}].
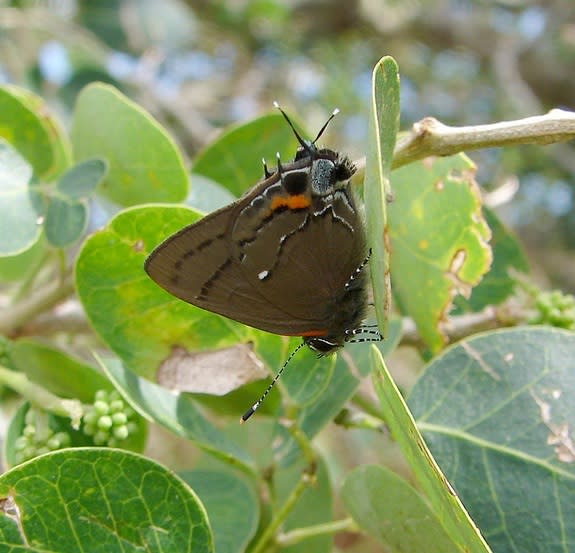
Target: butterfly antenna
[
  {"x": 333, "y": 114},
  {"x": 253, "y": 408},
  {"x": 303, "y": 143}
]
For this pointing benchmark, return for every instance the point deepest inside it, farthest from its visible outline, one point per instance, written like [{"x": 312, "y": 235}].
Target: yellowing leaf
[{"x": 439, "y": 240}]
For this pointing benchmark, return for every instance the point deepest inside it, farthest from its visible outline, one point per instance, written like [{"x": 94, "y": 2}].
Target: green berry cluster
[
  {"x": 37, "y": 437},
  {"x": 108, "y": 419},
  {"x": 555, "y": 309}
]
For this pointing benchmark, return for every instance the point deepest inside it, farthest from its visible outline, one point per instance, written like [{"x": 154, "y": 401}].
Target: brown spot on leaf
[
  {"x": 215, "y": 372},
  {"x": 559, "y": 434},
  {"x": 138, "y": 246},
  {"x": 11, "y": 510}
]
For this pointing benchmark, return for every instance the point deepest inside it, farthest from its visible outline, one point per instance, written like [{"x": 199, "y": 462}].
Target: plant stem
[
  {"x": 300, "y": 534},
  {"x": 43, "y": 299},
  {"x": 40, "y": 397},
  {"x": 281, "y": 514},
  {"x": 307, "y": 479}
]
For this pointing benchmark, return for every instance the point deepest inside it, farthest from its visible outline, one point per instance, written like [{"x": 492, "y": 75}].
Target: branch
[
  {"x": 46, "y": 297},
  {"x": 430, "y": 137},
  {"x": 459, "y": 326}
]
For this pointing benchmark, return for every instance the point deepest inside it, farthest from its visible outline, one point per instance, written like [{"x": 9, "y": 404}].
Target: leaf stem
[
  {"x": 307, "y": 479},
  {"x": 299, "y": 534}
]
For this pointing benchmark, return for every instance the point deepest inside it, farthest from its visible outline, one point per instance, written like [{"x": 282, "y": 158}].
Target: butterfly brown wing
[
  {"x": 201, "y": 265},
  {"x": 268, "y": 261}
]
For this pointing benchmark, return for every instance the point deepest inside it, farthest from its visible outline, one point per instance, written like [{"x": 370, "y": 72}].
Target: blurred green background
[{"x": 198, "y": 66}]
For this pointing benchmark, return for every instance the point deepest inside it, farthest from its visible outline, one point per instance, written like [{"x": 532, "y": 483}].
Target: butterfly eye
[{"x": 295, "y": 182}]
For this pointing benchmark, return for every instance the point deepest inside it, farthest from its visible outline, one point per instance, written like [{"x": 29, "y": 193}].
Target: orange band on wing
[
  {"x": 298, "y": 201},
  {"x": 313, "y": 333}
]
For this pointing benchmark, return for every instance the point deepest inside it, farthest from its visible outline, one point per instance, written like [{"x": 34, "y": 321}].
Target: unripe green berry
[
  {"x": 53, "y": 444},
  {"x": 29, "y": 431},
  {"x": 121, "y": 432},
  {"x": 117, "y": 406},
  {"x": 63, "y": 438},
  {"x": 101, "y": 407},
  {"x": 21, "y": 443},
  {"x": 119, "y": 418},
  {"x": 101, "y": 395},
  {"x": 90, "y": 417},
  {"x": 105, "y": 422}
]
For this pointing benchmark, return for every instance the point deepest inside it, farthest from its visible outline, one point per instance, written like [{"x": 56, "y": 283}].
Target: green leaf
[
  {"x": 439, "y": 240},
  {"x": 497, "y": 411},
  {"x": 136, "y": 318},
  {"x": 19, "y": 228},
  {"x": 95, "y": 499},
  {"x": 234, "y": 159},
  {"x": 207, "y": 195},
  {"x": 145, "y": 164},
  {"x": 58, "y": 372},
  {"x": 177, "y": 413},
  {"x": 387, "y": 508},
  {"x": 434, "y": 485},
  {"x": 498, "y": 284},
  {"x": 233, "y": 521},
  {"x": 65, "y": 221},
  {"x": 80, "y": 181},
  {"x": 20, "y": 266},
  {"x": 384, "y": 124},
  {"x": 27, "y": 124}
]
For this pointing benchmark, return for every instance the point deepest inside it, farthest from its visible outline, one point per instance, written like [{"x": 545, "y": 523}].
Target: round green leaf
[
  {"x": 27, "y": 124},
  {"x": 100, "y": 500},
  {"x": 145, "y": 164},
  {"x": 439, "y": 240},
  {"x": 19, "y": 228},
  {"x": 80, "y": 181},
  {"x": 65, "y": 221},
  {"x": 497, "y": 411},
  {"x": 207, "y": 195},
  {"x": 387, "y": 508},
  {"x": 233, "y": 522},
  {"x": 234, "y": 159},
  {"x": 136, "y": 318}
]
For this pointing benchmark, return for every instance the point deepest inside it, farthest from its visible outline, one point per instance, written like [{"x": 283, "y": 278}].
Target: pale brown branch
[
  {"x": 430, "y": 137},
  {"x": 460, "y": 326},
  {"x": 43, "y": 299}
]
